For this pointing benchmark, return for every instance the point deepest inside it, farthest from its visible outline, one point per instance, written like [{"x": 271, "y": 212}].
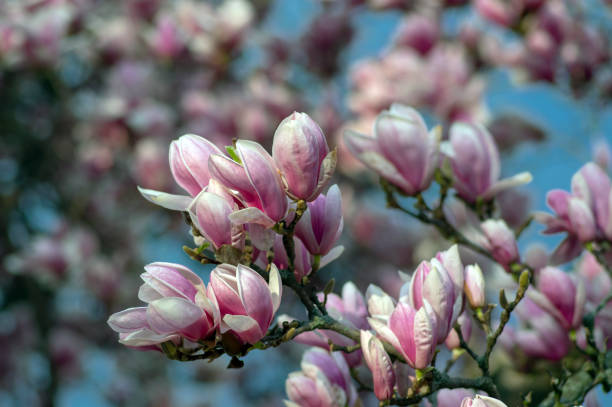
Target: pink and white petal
[
  {"x": 506, "y": 183},
  {"x": 146, "y": 337},
  {"x": 129, "y": 320},
  {"x": 165, "y": 200},
  {"x": 251, "y": 215},
  {"x": 245, "y": 327},
  {"x": 275, "y": 285},
  {"x": 172, "y": 314},
  {"x": 331, "y": 256}
]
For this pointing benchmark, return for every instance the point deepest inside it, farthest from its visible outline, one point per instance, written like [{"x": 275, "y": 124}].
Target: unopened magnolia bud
[{"x": 474, "y": 286}]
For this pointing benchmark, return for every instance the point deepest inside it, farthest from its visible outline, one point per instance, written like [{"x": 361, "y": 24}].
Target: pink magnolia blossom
[
  {"x": 380, "y": 364},
  {"x": 247, "y": 303},
  {"x": 303, "y": 157},
  {"x": 322, "y": 223},
  {"x": 324, "y": 381},
  {"x": 438, "y": 282},
  {"x": 177, "y": 307},
  {"x": 257, "y": 181},
  {"x": 481, "y": 401},
  {"x": 402, "y": 150},
  {"x": 412, "y": 332},
  {"x": 560, "y": 294},
  {"x": 475, "y": 163}
]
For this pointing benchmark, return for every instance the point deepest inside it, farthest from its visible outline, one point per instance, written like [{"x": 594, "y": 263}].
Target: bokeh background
[{"x": 93, "y": 91}]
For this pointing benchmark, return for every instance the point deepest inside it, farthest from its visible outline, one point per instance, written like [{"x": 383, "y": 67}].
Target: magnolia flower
[
  {"x": 323, "y": 381},
  {"x": 481, "y": 401},
  {"x": 189, "y": 166},
  {"x": 561, "y": 295},
  {"x": 402, "y": 151},
  {"x": 475, "y": 163},
  {"x": 177, "y": 307},
  {"x": 585, "y": 213},
  {"x": 500, "y": 241},
  {"x": 412, "y": 332},
  {"x": 474, "y": 286},
  {"x": 246, "y": 302},
  {"x": 438, "y": 282},
  {"x": 257, "y": 181},
  {"x": 210, "y": 213},
  {"x": 322, "y": 223},
  {"x": 301, "y": 153}
]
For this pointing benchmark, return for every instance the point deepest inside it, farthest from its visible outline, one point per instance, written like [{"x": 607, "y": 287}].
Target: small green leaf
[{"x": 231, "y": 150}]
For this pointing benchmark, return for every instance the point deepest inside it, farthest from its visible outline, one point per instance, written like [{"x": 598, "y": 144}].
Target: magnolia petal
[
  {"x": 276, "y": 287},
  {"x": 172, "y": 314},
  {"x": 251, "y": 215},
  {"x": 128, "y": 320},
  {"x": 514, "y": 181},
  {"x": 379, "y": 302},
  {"x": 331, "y": 256},
  {"x": 165, "y": 200},
  {"x": 244, "y": 326},
  {"x": 146, "y": 337}
]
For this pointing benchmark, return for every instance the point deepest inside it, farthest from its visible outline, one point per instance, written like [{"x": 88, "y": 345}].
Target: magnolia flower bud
[
  {"x": 402, "y": 150},
  {"x": 474, "y": 286},
  {"x": 465, "y": 324},
  {"x": 303, "y": 157},
  {"x": 431, "y": 283},
  {"x": 322, "y": 223},
  {"x": 500, "y": 241},
  {"x": 380, "y": 364}
]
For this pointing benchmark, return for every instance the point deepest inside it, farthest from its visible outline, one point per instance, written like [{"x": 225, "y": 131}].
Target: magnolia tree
[
  {"x": 270, "y": 222},
  {"x": 93, "y": 92}
]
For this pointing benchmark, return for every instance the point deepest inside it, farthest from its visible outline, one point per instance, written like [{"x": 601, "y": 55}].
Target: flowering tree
[{"x": 479, "y": 321}]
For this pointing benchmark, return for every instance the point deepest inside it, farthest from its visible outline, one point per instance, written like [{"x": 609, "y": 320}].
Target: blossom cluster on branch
[{"x": 252, "y": 213}]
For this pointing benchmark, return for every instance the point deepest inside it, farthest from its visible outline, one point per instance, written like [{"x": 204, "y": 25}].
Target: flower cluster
[
  {"x": 181, "y": 307},
  {"x": 406, "y": 155}
]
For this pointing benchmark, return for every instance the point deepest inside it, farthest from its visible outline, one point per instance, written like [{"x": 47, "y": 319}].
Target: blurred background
[{"x": 93, "y": 91}]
